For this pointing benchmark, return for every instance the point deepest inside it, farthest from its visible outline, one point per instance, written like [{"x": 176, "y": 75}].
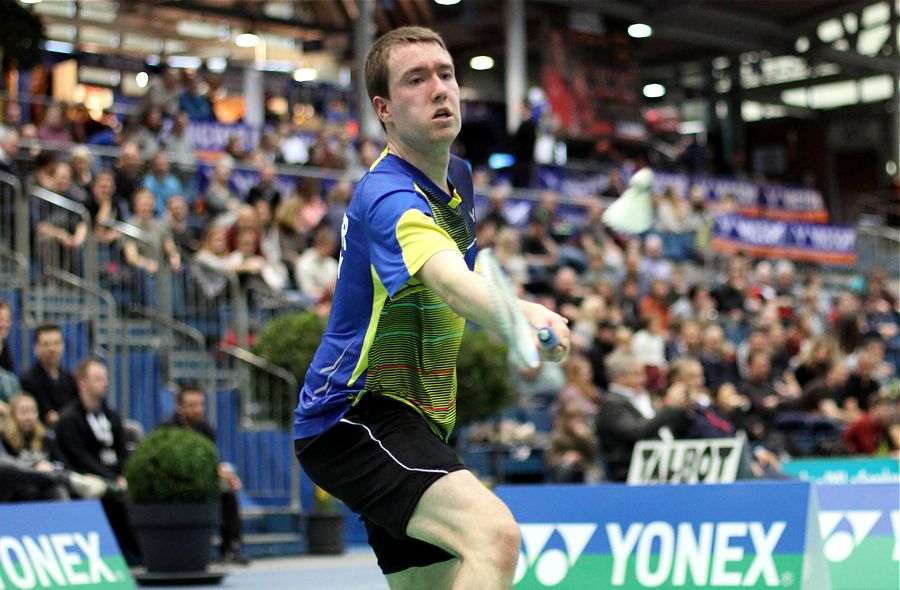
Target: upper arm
[{"x": 403, "y": 236}]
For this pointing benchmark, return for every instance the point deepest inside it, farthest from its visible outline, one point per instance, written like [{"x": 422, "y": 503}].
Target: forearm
[{"x": 464, "y": 291}]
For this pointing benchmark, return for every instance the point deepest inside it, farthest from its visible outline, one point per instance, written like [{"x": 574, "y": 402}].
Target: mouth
[{"x": 442, "y": 114}]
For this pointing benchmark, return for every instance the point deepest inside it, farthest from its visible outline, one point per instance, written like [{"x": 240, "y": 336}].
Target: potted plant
[
  {"x": 173, "y": 486},
  {"x": 325, "y": 525}
]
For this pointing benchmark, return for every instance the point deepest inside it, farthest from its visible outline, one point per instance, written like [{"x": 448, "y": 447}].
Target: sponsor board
[
  {"x": 860, "y": 526},
  {"x": 702, "y": 460},
  {"x": 845, "y": 470},
  {"x": 812, "y": 242},
  {"x": 747, "y": 535},
  {"x": 59, "y": 545}
]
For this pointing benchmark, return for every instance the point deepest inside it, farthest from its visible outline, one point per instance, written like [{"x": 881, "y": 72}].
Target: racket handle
[{"x": 548, "y": 338}]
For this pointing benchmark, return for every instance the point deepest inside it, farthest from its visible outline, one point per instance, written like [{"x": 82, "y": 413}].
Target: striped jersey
[{"x": 388, "y": 333}]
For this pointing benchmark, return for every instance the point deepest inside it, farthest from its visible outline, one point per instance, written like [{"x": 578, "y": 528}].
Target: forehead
[
  {"x": 49, "y": 336},
  {"x": 412, "y": 56}
]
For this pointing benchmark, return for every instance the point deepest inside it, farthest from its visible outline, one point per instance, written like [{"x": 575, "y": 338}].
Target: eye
[{"x": 415, "y": 80}]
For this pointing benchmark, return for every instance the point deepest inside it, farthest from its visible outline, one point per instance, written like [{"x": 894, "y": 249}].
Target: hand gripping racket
[{"x": 511, "y": 321}]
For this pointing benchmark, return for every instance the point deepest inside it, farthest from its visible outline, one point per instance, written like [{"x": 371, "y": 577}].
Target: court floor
[{"x": 355, "y": 570}]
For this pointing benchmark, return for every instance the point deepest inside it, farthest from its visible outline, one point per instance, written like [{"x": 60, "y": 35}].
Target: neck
[
  {"x": 434, "y": 165},
  {"x": 90, "y": 404},
  {"x": 52, "y": 370}
]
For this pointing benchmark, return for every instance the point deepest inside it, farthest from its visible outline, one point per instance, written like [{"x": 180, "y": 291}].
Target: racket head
[{"x": 511, "y": 321}]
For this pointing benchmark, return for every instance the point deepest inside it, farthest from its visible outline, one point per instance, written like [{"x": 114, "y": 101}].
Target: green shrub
[
  {"x": 290, "y": 342},
  {"x": 172, "y": 466},
  {"x": 484, "y": 379}
]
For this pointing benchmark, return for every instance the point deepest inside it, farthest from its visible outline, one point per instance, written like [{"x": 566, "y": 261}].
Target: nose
[{"x": 439, "y": 88}]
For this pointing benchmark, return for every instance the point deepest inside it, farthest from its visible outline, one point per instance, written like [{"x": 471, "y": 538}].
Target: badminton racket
[{"x": 511, "y": 321}]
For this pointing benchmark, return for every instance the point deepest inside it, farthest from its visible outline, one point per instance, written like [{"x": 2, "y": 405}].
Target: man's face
[
  {"x": 177, "y": 208},
  {"x": 192, "y": 408},
  {"x": 49, "y": 348},
  {"x": 95, "y": 382},
  {"x": 5, "y": 322},
  {"x": 423, "y": 108}
]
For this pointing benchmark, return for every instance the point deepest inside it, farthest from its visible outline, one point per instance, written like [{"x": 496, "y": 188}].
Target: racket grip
[{"x": 548, "y": 338}]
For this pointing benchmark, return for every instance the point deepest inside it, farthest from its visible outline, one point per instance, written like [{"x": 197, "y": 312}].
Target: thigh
[{"x": 458, "y": 513}]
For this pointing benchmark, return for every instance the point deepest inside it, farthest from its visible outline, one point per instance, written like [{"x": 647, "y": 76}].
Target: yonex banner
[
  {"x": 825, "y": 243},
  {"x": 702, "y": 460},
  {"x": 860, "y": 527},
  {"x": 845, "y": 470},
  {"x": 59, "y": 545},
  {"x": 745, "y": 535}
]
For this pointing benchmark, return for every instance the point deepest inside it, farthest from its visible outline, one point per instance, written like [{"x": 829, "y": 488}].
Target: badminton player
[{"x": 379, "y": 400}]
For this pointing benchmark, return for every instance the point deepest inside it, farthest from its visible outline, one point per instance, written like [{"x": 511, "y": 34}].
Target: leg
[
  {"x": 438, "y": 576},
  {"x": 458, "y": 514}
]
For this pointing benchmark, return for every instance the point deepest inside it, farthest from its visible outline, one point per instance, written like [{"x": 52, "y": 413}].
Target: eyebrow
[{"x": 423, "y": 69}]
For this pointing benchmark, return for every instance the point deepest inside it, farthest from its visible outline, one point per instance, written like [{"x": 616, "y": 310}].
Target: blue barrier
[
  {"x": 747, "y": 535},
  {"x": 60, "y": 545}
]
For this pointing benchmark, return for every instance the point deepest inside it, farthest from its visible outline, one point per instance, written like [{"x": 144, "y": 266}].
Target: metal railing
[
  {"x": 65, "y": 295},
  {"x": 266, "y": 392}
]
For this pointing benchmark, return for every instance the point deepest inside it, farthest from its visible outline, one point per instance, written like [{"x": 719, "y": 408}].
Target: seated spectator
[
  {"x": 48, "y": 382},
  {"x": 652, "y": 264},
  {"x": 148, "y": 136},
  {"x": 627, "y": 414},
  {"x": 877, "y": 431},
  {"x": 190, "y": 412},
  {"x": 6, "y": 358},
  {"x": 574, "y": 454},
  {"x": 163, "y": 92},
  {"x": 657, "y": 302},
  {"x": 579, "y": 391},
  {"x": 64, "y": 184},
  {"x": 55, "y": 128},
  {"x": 717, "y": 359},
  {"x": 292, "y": 232},
  {"x": 127, "y": 169},
  {"x": 861, "y": 384},
  {"x": 157, "y": 239},
  {"x": 159, "y": 181},
  {"x": 731, "y": 295},
  {"x": 82, "y": 162},
  {"x": 195, "y": 104},
  {"x": 27, "y": 441},
  {"x": 337, "y": 200},
  {"x": 91, "y": 440},
  {"x": 219, "y": 199},
  {"x": 9, "y": 149},
  {"x": 186, "y": 232},
  {"x": 649, "y": 346},
  {"x": 102, "y": 207},
  {"x": 819, "y": 356},
  {"x": 234, "y": 149},
  {"x": 312, "y": 211},
  {"x": 824, "y": 396},
  {"x": 254, "y": 268},
  {"x": 265, "y": 189},
  {"x": 180, "y": 148},
  {"x": 317, "y": 268}
]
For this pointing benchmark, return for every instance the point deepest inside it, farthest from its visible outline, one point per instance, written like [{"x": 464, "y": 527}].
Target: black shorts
[{"x": 379, "y": 460}]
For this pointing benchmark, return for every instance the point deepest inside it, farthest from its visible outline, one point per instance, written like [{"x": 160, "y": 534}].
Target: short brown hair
[
  {"x": 81, "y": 373},
  {"x": 377, "y": 59}
]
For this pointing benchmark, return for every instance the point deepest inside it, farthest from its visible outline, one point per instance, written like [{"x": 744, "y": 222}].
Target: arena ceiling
[{"x": 685, "y": 32}]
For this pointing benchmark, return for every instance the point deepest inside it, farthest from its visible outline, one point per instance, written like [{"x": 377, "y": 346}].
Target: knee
[{"x": 504, "y": 542}]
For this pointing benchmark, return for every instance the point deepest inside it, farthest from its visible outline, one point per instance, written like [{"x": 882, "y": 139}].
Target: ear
[{"x": 382, "y": 109}]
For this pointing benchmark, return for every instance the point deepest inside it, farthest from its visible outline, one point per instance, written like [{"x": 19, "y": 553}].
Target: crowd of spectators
[
  {"x": 662, "y": 347},
  {"x": 61, "y": 439}
]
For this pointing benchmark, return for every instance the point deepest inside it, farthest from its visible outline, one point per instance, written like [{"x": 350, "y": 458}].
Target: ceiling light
[
  {"x": 141, "y": 79},
  {"x": 305, "y": 74},
  {"x": 30, "y": 1},
  {"x": 654, "y": 90},
  {"x": 216, "y": 64},
  {"x": 59, "y": 46},
  {"x": 640, "y": 30},
  {"x": 446, "y": 2},
  {"x": 246, "y": 40},
  {"x": 481, "y": 62}
]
